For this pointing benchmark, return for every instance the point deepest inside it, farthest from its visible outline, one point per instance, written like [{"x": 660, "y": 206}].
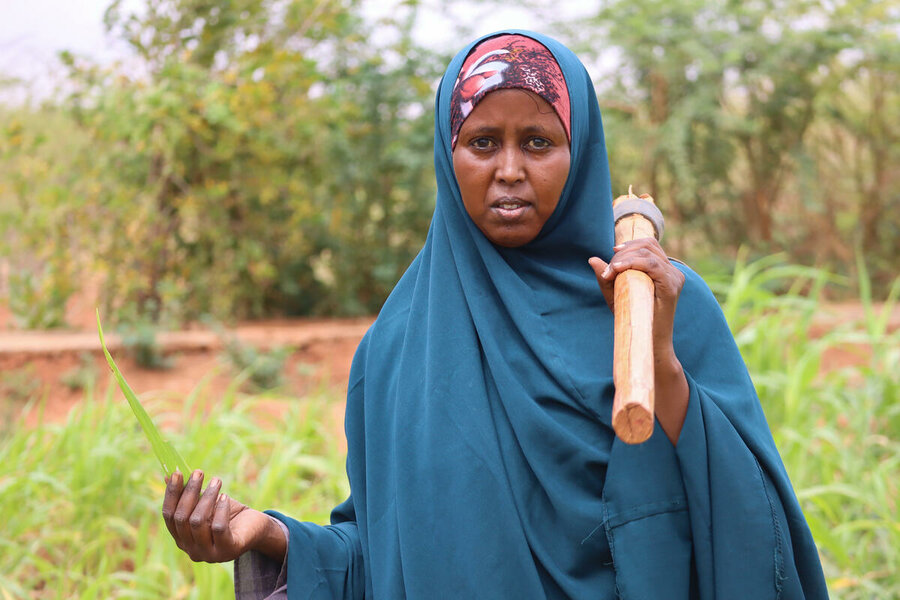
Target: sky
[{"x": 33, "y": 32}]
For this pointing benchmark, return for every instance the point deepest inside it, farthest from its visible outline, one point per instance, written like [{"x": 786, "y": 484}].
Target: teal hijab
[{"x": 481, "y": 459}]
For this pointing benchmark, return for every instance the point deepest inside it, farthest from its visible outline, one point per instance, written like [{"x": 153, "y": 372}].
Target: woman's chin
[{"x": 510, "y": 236}]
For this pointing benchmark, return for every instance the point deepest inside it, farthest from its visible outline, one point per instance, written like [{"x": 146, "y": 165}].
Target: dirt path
[
  {"x": 48, "y": 362},
  {"x": 263, "y": 334}
]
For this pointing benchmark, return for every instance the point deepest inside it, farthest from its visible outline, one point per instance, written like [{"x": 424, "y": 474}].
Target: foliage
[
  {"x": 769, "y": 124},
  {"x": 16, "y": 388},
  {"x": 249, "y": 161},
  {"x": 259, "y": 369},
  {"x": 19, "y": 385},
  {"x": 42, "y": 217},
  {"x": 82, "y": 376},
  {"x": 91, "y": 525},
  {"x": 262, "y": 158},
  {"x": 169, "y": 458},
  {"x": 263, "y": 370},
  {"x": 140, "y": 340},
  {"x": 38, "y": 298}
]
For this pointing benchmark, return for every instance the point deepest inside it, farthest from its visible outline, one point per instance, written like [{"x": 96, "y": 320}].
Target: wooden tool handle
[{"x": 632, "y": 417}]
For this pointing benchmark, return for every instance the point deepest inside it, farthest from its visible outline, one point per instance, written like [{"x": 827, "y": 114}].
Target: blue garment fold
[{"x": 481, "y": 459}]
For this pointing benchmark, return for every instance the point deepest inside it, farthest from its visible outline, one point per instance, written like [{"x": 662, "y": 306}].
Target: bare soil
[{"x": 46, "y": 362}]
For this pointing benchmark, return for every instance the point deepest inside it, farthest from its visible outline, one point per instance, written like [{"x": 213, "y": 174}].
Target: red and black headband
[{"x": 503, "y": 62}]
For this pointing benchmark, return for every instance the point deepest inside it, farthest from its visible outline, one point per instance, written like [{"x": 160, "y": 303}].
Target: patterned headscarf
[{"x": 508, "y": 61}]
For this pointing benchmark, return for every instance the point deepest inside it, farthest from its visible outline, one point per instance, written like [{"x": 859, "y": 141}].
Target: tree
[
  {"x": 723, "y": 108},
  {"x": 265, "y": 157}
]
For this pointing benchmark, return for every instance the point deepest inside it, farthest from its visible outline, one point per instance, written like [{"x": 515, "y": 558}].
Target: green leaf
[{"x": 168, "y": 456}]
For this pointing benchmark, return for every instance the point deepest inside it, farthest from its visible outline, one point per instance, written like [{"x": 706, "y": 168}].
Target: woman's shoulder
[
  {"x": 698, "y": 313},
  {"x": 694, "y": 285},
  {"x": 394, "y": 313},
  {"x": 388, "y": 329}
]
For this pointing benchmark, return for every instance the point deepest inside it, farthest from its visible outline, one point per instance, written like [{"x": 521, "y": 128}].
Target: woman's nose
[{"x": 511, "y": 167}]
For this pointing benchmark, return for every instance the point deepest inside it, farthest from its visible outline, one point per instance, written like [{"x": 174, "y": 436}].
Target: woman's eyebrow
[
  {"x": 535, "y": 128},
  {"x": 484, "y": 130},
  {"x": 494, "y": 129}
]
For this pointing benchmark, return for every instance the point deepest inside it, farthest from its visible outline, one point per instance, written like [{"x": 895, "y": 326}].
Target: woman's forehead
[{"x": 513, "y": 109}]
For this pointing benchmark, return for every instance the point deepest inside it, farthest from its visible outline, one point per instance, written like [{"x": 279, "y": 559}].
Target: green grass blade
[{"x": 168, "y": 456}]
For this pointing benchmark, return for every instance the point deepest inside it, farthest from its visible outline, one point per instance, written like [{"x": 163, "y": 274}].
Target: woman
[{"x": 481, "y": 458}]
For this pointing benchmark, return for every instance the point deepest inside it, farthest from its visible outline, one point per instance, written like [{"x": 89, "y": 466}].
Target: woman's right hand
[{"x": 212, "y": 527}]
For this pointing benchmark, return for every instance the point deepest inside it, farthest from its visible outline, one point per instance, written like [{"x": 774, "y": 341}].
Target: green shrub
[
  {"x": 263, "y": 370},
  {"x": 86, "y": 494},
  {"x": 141, "y": 343},
  {"x": 83, "y": 375}
]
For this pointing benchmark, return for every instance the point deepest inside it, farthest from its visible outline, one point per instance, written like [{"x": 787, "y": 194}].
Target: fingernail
[
  {"x": 222, "y": 497},
  {"x": 618, "y": 246},
  {"x": 605, "y": 271},
  {"x": 215, "y": 482},
  {"x": 196, "y": 475},
  {"x": 219, "y": 498}
]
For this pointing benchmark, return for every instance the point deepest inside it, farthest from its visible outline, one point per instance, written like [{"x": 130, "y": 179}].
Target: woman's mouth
[{"x": 510, "y": 209}]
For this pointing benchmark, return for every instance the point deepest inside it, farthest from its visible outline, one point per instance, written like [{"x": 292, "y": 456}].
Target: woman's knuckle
[
  {"x": 218, "y": 527},
  {"x": 180, "y": 518},
  {"x": 196, "y": 521}
]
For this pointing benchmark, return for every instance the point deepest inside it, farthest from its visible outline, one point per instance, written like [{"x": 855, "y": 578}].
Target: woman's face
[{"x": 511, "y": 161}]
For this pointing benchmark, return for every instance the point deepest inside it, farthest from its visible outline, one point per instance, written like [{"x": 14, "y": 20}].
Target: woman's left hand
[
  {"x": 645, "y": 255},
  {"x": 671, "y": 386}
]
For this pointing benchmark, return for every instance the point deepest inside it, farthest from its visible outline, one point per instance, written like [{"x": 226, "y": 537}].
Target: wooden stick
[{"x": 632, "y": 417}]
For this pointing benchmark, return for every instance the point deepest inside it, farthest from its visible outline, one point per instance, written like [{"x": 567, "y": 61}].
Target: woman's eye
[
  {"x": 538, "y": 143},
  {"x": 482, "y": 143}
]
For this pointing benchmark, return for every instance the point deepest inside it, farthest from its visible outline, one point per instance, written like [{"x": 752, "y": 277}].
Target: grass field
[{"x": 80, "y": 500}]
